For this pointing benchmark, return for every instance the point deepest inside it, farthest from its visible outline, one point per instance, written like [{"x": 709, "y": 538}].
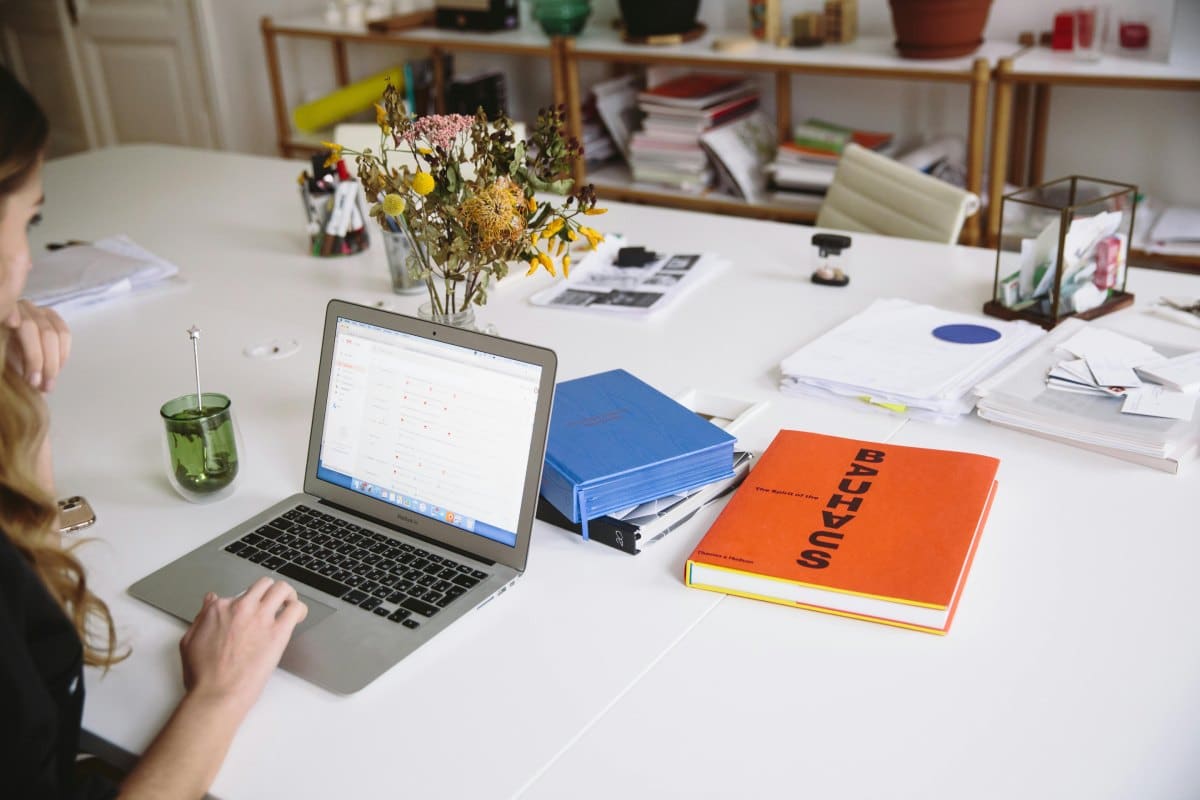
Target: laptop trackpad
[{"x": 317, "y": 611}]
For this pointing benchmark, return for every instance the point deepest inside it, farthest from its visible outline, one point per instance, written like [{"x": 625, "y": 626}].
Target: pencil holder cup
[
  {"x": 201, "y": 447},
  {"x": 400, "y": 261},
  {"x": 1062, "y": 251},
  {"x": 336, "y": 219}
]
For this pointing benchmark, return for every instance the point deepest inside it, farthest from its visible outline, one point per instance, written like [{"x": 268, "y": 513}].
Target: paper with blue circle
[{"x": 966, "y": 334}]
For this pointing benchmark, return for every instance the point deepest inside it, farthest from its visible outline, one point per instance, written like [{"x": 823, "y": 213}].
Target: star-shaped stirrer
[{"x": 194, "y": 335}]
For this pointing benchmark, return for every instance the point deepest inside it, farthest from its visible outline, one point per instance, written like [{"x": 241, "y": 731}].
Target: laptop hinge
[{"x": 408, "y": 532}]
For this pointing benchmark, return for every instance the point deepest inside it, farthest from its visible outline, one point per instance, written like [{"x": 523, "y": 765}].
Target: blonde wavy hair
[{"x": 28, "y": 514}]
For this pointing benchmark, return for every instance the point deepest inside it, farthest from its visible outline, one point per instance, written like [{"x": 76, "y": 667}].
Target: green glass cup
[{"x": 201, "y": 446}]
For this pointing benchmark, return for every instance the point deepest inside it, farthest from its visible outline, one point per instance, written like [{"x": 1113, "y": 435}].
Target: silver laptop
[{"x": 424, "y": 462}]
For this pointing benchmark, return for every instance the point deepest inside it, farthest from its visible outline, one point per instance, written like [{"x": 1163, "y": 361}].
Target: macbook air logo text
[{"x": 406, "y": 518}]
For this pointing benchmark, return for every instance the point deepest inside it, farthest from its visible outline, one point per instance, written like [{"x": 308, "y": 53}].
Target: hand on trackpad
[{"x": 317, "y": 611}]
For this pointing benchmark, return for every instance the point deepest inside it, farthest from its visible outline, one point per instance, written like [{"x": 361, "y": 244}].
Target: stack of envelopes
[{"x": 616, "y": 441}]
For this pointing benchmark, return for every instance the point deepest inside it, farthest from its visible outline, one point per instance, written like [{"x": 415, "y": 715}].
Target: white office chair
[{"x": 874, "y": 194}]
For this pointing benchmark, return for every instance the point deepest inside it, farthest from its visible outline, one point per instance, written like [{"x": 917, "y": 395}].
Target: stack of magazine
[
  {"x": 1019, "y": 397},
  {"x": 616, "y": 442},
  {"x": 906, "y": 357}
]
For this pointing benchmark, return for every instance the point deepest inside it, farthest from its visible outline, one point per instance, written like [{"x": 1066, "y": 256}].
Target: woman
[{"x": 50, "y": 622}]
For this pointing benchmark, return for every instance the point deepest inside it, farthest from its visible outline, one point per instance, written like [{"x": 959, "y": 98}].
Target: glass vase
[
  {"x": 398, "y": 250},
  {"x": 464, "y": 318}
]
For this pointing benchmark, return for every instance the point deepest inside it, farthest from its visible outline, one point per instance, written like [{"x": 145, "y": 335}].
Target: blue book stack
[{"x": 616, "y": 441}]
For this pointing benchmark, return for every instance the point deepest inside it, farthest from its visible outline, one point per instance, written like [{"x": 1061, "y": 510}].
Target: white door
[
  {"x": 111, "y": 72},
  {"x": 142, "y": 70},
  {"x": 37, "y": 46}
]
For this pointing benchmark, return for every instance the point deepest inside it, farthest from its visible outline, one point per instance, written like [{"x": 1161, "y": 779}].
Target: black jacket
[{"x": 41, "y": 690}]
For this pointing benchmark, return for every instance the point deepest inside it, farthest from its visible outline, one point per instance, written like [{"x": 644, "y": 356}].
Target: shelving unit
[
  {"x": 523, "y": 42},
  {"x": 872, "y": 58},
  {"x": 866, "y": 57},
  {"x": 1020, "y": 154}
]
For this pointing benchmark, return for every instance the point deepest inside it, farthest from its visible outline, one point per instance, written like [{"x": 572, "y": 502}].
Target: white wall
[{"x": 1147, "y": 137}]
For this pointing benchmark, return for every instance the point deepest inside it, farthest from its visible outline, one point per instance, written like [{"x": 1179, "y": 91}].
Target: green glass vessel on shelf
[{"x": 562, "y": 17}]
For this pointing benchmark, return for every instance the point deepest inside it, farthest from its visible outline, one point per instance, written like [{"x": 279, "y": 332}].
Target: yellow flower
[
  {"x": 335, "y": 153},
  {"x": 572, "y": 236},
  {"x": 424, "y": 151},
  {"x": 593, "y": 236},
  {"x": 491, "y": 216},
  {"x": 532, "y": 205},
  {"x": 591, "y": 212},
  {"x": 566, "y": 262},
  {"x": 422, "y": 183},
  {"x": 547, "y": 263},
  {"x": 533, "y": 265},
  {"x": 533, "y": 238},
  {"x": 553, "y": 228},
  {"x": 393, "y": 205},
  {"x": 381, "y": 118}
]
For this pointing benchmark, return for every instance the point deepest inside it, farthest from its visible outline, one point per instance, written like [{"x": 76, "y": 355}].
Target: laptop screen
[{"x": 439, "y": 429}]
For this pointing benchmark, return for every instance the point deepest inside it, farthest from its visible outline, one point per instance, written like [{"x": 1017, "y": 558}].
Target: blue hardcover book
[{"x": 615, "y": 441}]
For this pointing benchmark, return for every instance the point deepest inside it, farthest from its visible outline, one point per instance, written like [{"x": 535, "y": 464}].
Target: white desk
[{"x": 1069, "y": 669}]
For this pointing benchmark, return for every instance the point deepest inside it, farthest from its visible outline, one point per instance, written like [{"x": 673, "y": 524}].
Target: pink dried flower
[{"x": 439, "y": 130}]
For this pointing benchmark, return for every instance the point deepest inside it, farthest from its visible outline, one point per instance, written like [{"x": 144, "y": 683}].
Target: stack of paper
[
  {"x": 1149, "y": 425},
  {"x": 907, "y": 357},
  {"x": 634, "y": 529},
  {"x": 616, "y": 442},
  {"x": 82, "y": 275}
]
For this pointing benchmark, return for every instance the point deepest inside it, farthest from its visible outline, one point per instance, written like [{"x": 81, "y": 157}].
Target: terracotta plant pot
[
  {"x": 658, "y": 17},
  {"x": 939, "y": 28}
]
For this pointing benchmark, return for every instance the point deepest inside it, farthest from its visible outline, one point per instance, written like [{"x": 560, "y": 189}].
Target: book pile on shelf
[
  {"x": 625, "y": 464},
  {"x": 666, "y": 150},
  {"x": 598, "y": 145},
  {"x": 486, "y": 90},
  {"x": 803, "y": 168},
  {"x": 1102, "y": 391},
  {"x": 615, "y": 102}
]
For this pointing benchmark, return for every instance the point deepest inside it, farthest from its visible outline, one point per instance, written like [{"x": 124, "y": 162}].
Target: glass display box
[{"x": 1063, "y": 251}]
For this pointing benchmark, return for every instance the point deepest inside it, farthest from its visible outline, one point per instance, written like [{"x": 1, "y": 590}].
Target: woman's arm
[
  {"x": 228, "y": 654},
  {"x": 44, "y": 344}
]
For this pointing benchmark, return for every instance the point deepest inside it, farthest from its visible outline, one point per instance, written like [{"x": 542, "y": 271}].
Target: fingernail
[{"x": 35, "y": 380}]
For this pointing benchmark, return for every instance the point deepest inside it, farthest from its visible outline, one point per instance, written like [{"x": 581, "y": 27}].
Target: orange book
[{"x": 881, "y": 532}]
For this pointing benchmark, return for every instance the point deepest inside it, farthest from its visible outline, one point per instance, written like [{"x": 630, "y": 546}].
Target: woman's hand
[
  {"x": 44, "y": 344},
  {"x": 234, "y": 643}
]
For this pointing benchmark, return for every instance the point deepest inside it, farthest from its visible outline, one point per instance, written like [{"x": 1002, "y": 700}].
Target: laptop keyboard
[{"x": 389, "y": 578}]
